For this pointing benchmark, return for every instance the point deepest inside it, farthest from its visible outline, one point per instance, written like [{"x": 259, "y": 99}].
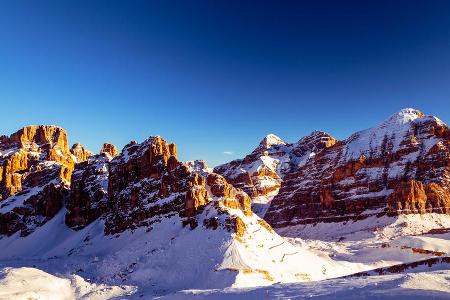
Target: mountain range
[{"x": 141, "y": 223}]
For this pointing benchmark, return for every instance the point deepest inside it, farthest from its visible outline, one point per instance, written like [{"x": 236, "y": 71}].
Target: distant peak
[
  {"x": 198, "y": 166},
  {"x": 317, "y": 140},
  {"x": 411, "y": 112},
  {"x": 77, "y": 145},
  {"x": 109, "y": 150},
  {"x": 404, "y": 116},
  {"x": 319, "y": 133},
  {"x": 271, "y": 140},
  {"x": 315, "y": 135}
]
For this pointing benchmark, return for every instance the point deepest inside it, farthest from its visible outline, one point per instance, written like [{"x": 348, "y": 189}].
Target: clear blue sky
[{"x": 215, "y": 76}]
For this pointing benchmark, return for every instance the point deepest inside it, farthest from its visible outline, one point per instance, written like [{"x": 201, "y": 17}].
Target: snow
[
  {"x": 173, "y": 261},
  {"x": 261, "y": 204},
  {"x": 271, "y": 140},
  {"x": 18, "y": 199},
  {"x": 390, "y": 133},
  {"x": 198, "y": 166},
  {"x": 171, "y": 257},
  {"x": 430, "y": 285},
  {"x": 404, "y": 116},
  {"x": 30, "y": 283},
  {"x": 215, "y": 263}
]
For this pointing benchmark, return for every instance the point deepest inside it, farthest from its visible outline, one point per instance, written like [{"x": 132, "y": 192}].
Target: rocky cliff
[
  {"x": 35, "y": 173},
  {"x": 88, "y": 196},
  {"x": 148, "y": 183}
]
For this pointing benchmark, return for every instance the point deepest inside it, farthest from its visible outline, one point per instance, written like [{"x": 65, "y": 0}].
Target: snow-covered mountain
[{"x": 400, "y": 166}]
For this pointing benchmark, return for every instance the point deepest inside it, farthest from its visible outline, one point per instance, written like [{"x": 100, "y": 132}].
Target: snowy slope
[
  {"x": 171, "y": 257},
  {"x": 31, "y": 283},
  {"x": 430, "y": 285}
]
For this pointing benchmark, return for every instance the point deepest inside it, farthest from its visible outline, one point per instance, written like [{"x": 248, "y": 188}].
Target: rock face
[
  {"x": 415, "y": 197},
  {"x": 80, "y": 153},
  {"x": 398, "y": 167},
  {"x": 35, "y": 173},
  {"x": 140, "y": 177},
  {"x": 147, "y": 183},
  {"x": 88, "y": 199},
  {"x": 109, "y": 150}
]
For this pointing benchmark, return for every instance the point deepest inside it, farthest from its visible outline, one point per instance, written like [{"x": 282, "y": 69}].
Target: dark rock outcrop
[{"x": 88, "y": 199}]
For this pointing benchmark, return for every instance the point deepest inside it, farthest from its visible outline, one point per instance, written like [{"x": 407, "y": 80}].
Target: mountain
[
  {"x": 400, "y": 166},
  {"x": 35, "y": 171},
  {"x": 140, "y": 218},
  {"x": 140, "y": 223},
  {"x": 261, "y": 172}
]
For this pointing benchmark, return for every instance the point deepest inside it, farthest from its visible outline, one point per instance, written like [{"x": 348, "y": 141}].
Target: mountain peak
[
  {"x": 316, "y": 134},
  {"x": 404, "y": 116},
  {"x": 271, "y": 140}
]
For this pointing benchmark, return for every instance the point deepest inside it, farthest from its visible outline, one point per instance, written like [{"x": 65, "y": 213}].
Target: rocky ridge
[{"x": 40, "y": 176}]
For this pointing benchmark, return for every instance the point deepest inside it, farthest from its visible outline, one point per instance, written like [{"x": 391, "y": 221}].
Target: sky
[{"x": 216, "y": 76}]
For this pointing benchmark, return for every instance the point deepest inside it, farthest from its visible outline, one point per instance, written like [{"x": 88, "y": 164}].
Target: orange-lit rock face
[
  {"x": 230, "y": 196},
  {"x": 245, "y": 202},
  {"x": 25, "y": 150},
  {"x": 80, "y": 152},
  {"x": 415, "y": 197},
  {"x": 399, "y": 166},
  {"x": 236, "y": 225},
  {"x": 35, "y": 169},
  {"x": 409, "y": 197},
  {"x": 197, "y": 195},
  {"x": 109, "y": 150},
  {"x": 143, "y": 185},
  {"x": 52, "y": 136},
  {"x": 219, "y": 186},
  {"x": 147, "y": 183}
]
